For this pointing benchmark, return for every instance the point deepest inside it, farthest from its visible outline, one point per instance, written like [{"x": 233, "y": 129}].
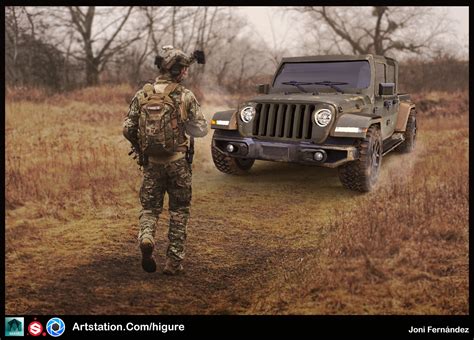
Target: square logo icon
[{"x": 14, "y": 326}]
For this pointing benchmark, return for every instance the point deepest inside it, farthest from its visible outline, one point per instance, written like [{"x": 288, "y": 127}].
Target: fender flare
[
  {"x": 224, "y": 120},
  {"x": 353, "y": 125},
  {"x": 403, "y": 113}
]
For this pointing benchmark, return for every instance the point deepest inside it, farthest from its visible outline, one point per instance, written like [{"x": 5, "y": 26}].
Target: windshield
[{"x": 346, "y": 74}]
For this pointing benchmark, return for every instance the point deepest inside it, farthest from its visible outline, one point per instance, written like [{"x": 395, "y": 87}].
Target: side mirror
[
  {"x": 263, "y": 88},
  {"x": 386, "y": 89}
]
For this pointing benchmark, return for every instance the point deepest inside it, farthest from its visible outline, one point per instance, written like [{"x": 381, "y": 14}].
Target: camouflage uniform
[{"x": 171, "y": 174}]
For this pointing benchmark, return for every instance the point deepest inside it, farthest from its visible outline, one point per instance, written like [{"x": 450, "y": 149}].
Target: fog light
[
  {"x": 230, "y": 148},
  {"x": 318, "y": 156}
]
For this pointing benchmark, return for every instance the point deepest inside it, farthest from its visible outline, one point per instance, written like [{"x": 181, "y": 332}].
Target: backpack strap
[
  {"x": 170, "y": 88},
  {"x": 158, "y": 88},
  {"x": 144, "y": 94},
  {"x": 182, "y": 109},
  {"x": 148, "y": 90}
]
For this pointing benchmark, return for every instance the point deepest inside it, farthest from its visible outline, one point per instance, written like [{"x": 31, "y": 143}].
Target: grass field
[{"x": 285, "y": 239}]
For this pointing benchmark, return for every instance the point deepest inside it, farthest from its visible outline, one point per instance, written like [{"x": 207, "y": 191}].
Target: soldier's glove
[{"x": 141, "y": 159}]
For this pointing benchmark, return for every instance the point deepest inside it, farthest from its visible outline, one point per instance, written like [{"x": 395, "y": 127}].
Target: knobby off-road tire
[
  {"x": 230, "y": 165},
  {"x": 410, "y": 134},
  {"x": 361, "y": 175}
]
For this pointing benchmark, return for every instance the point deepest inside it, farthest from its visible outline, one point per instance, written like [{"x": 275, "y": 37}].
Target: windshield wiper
[
  {"x": 331, "y": 84},
  {"x": 297, "y": 84}
]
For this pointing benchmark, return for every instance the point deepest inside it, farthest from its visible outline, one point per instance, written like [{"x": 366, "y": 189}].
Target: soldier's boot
[
  {"x": 173, "y": 267},
  {"x": 148, "y": 262}
]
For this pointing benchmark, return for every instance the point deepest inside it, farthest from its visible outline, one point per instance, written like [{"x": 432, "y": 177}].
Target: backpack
[{"x": 160, "y": 124}]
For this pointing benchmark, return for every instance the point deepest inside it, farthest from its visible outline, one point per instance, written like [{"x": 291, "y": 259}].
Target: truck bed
[{"x": 404, "y": 97}]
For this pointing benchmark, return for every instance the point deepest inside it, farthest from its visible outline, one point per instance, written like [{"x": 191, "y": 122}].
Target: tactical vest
[{"x": 161, "y": 121}]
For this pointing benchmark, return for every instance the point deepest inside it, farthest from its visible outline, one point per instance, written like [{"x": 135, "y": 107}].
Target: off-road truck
[{"x": 334, "y": 111}]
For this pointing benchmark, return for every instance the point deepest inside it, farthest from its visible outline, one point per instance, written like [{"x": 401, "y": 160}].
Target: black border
[
  {"x": 251, "y": 326},
  {"x": 238, "y": 326}
]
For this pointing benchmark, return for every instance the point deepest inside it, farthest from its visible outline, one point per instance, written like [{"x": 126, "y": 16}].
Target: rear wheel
[
  {"x": 361, "y": 174},
  {"x": 410, "y": 134},
  {"x": 230, "y": 165}
]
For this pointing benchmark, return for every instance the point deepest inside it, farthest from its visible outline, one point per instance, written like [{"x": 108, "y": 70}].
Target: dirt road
[{"x": 243, "y": 231}]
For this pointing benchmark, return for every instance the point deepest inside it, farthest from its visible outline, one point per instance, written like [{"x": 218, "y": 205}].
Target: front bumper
[{"x": 282, "y": 151}]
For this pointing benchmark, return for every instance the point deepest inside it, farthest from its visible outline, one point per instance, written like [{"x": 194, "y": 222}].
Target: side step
[{"x": 393, "y": 142}]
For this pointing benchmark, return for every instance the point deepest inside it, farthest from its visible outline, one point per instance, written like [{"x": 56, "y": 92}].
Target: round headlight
[
  {"x": 247, "y": 113},
  {"x": 322, "y": 117}
]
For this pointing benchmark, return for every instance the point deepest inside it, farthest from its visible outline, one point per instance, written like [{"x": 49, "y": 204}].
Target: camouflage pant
[{"x": 174, "y": 178}]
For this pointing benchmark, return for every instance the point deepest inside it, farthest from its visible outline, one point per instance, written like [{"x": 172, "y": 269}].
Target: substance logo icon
[
  {"x": 35, "y": 328},
  {"x": 55, "y": 327}
]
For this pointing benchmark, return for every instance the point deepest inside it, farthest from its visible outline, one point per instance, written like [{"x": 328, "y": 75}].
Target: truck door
[
  {"x": 390, "y": 71},
  {"x": 385, "y": 106}
]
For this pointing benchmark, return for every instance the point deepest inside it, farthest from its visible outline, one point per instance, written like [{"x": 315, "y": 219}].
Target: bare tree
[
  {"x": 379, "y": 29},
  {"x": 212, "y": 27},
  {"x": 30, "y": 60},
  {"x": 17, "y": 20},
  {"x": 156, "y": 26},
  {"x": 12, "y": 34},
  {"x": 279, "y": 48},
  {"x": 95, "y": 58}
]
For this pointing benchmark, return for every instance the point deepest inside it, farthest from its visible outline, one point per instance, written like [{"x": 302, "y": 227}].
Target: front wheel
[
  {"x": 361, "y": 175},
  {"x": 230, "y": 165}
]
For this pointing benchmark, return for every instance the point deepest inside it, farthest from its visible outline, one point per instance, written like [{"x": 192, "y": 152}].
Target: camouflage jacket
[{"x": 195, "y": 124}]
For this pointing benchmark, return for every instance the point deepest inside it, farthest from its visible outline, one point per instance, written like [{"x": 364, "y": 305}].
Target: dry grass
[
  {"x": 286, "y": 239},
  {"x": 68, "y": 144},
  {"x": 48, "y": 158},
  {"x": 401, "y": 250}
]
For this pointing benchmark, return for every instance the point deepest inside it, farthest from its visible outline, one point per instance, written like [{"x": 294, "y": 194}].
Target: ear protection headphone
[
  {"x": 158, "y": 61},
  {"x": 175, "y": 70}
]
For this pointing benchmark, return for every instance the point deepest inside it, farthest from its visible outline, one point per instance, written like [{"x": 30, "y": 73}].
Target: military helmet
[{"x": 171, "y": 56}]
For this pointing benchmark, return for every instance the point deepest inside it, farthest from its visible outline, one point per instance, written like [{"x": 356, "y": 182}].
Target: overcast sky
[{"x": 262, "y": 19}]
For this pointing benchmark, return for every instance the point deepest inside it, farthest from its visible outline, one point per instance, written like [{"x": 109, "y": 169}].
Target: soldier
[{"x": 160, "y": 116}]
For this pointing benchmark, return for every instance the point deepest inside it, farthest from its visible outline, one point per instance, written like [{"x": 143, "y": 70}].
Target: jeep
[{"x": 336, "y": 111}]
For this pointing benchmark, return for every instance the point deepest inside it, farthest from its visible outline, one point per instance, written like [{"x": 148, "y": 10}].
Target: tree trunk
[{"x": 92, "y": 72}]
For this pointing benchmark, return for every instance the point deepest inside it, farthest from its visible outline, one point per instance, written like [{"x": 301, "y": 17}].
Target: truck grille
[{"x": 290, "y": 121}]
